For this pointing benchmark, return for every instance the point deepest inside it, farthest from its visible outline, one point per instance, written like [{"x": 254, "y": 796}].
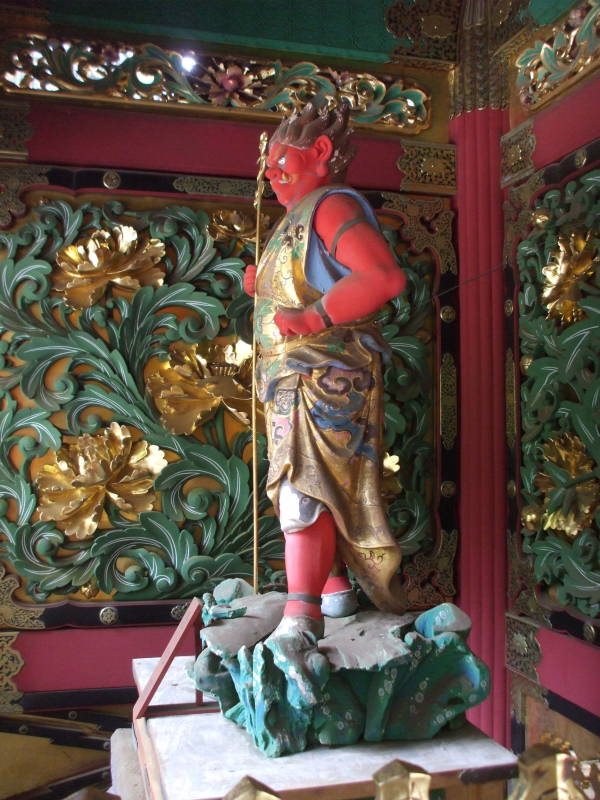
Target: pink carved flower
[{"x": 232, "y": 85}]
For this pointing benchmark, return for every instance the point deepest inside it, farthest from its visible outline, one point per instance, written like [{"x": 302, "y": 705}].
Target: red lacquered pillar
[{"x": 482, "y": 487}]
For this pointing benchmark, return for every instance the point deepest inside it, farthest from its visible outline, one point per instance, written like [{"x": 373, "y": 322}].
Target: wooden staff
[{"x": 260, "y": 186}]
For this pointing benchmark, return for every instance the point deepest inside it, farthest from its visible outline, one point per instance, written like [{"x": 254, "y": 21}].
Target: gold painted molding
[
  {"x": 448, "y": 402},
  {"x": 510, "y": 398}
]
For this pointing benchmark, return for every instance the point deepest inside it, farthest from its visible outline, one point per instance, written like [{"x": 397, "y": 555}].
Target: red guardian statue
[{"x": 324, "y": 273}]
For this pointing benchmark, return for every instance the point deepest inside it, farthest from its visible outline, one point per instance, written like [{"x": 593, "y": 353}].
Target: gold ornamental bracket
[
  {"x": 427, "y": 167},
  {"x": 517, "y": 148}
]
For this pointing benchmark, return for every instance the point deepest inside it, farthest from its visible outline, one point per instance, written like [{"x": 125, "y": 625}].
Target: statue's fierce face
[{"x": 294, "y": 173}]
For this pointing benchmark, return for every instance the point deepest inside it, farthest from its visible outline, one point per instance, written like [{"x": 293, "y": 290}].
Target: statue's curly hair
[{"x": 318, "y": 119}]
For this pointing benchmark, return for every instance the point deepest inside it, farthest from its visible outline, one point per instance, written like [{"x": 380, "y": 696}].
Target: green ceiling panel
[{"x": 340, "y": 28}]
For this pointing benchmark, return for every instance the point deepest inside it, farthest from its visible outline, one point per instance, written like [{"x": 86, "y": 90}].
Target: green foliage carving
[
  {"x": 408, "y": 405},
  {"x": 559, "y": 308},
  {"x": 82, "y": 369}
]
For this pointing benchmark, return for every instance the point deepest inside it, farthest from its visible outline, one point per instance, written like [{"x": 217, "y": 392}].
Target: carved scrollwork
[
  {"x": 128, "y": 73},
  {"x": 428, "y": 226},
  {"x": 569, "y": 52}
]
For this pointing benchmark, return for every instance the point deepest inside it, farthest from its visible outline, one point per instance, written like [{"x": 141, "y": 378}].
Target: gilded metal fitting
[
  {"x": 111, "y": 179},
  {"x": 108, "y": 615},
  {"x": 448, "y": 488},
  {"x": 447, "y": 314}
]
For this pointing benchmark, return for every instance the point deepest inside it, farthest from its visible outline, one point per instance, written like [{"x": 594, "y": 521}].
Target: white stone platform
[{"x": 202, "y": 756}]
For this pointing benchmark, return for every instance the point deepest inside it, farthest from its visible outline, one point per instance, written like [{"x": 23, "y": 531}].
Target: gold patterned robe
[{"x": 323, "y": 406}]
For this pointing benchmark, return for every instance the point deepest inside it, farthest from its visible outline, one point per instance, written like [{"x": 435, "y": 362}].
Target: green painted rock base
[{"x": 372, "y": 676}]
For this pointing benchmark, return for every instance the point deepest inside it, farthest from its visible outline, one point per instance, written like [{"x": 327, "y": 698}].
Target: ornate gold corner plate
[
  {"x": 15, "y": 130},
  {"x": 13, "y": 179},
  {"x": 520, "y": 689},
  {"x": 13, "y": 615},
  {"x": 11, "y": 664},
  {"x": 422, "y": 216},
  {"x": 523, "y": 652},
  {"x": 448, "y": 402},
  {"x": 517, "y": 148},
  {"x": 151, "y": 76},
  {"x": 428, "y": 168}
]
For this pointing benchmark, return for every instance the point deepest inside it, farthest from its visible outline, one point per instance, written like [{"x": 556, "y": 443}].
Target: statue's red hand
[
  {"x": 298, "y": 322},
  {"x": 249, "y": 280}
]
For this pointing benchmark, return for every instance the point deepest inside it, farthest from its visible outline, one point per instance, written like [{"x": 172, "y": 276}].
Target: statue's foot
[
  {"x": 294, "y": 647},
  {"x": 339, "y": 604}
]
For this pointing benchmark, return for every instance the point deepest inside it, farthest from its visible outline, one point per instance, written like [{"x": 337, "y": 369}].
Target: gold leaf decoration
[
  {"x": 92, "y": 469},
  {"x": 193, "y": 384},
  {"x": 118, "y": 256},
  {"x": 226, "y": 224},
  {"x": 577, "y": 510},
  {"x": 574, "y": 260}
]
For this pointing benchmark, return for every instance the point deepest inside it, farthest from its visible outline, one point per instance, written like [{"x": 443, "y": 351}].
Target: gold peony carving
[
  {"x": 119, "y": 257},
  {"x": 574, "y": 260},
  {"x": 226, "y": 224},
  {"x": 581, "y": 499},
  {"x": 92, "y": 469},
  {"x": 191, "y": 386}
]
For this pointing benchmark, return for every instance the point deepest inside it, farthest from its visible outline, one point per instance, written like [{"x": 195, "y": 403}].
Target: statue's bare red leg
[{"x": 309, "y": 556}]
